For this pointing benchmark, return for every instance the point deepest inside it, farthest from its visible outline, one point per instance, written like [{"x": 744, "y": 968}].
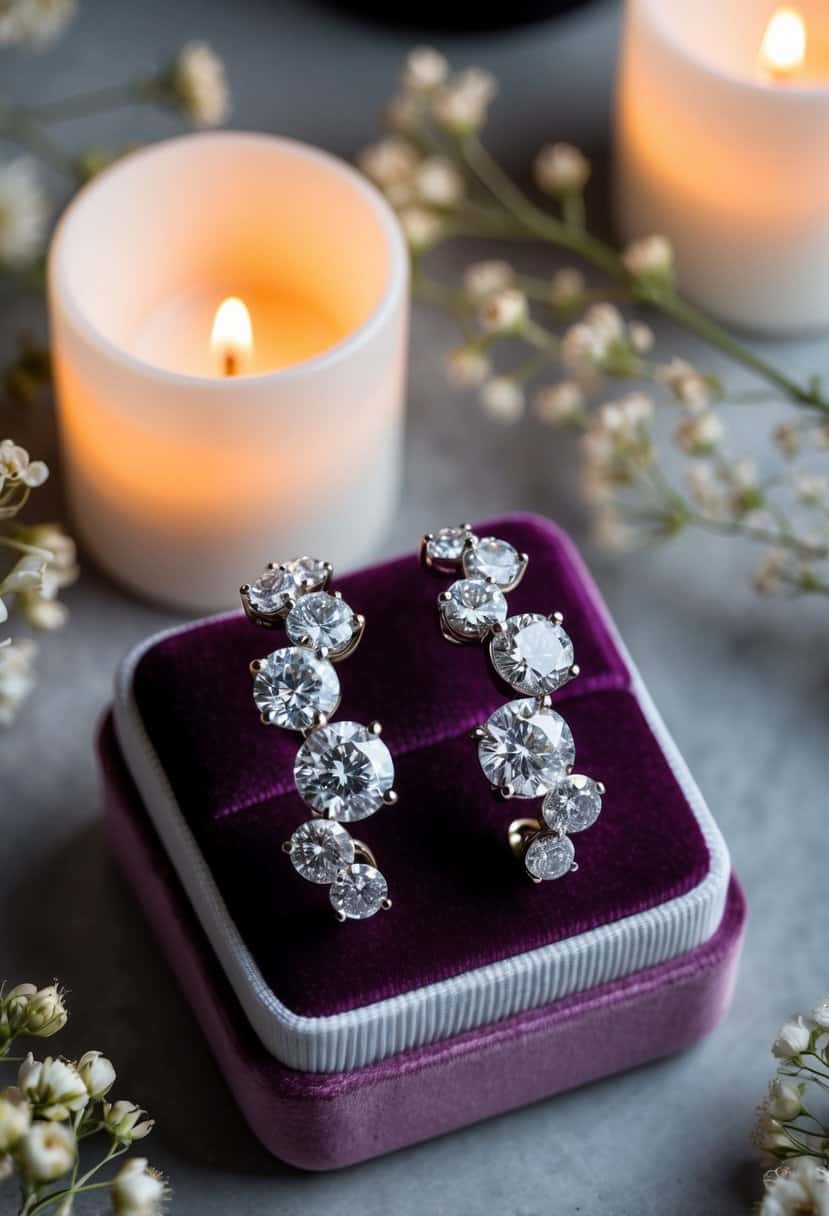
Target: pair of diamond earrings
[{"x": 344, "y": 772}]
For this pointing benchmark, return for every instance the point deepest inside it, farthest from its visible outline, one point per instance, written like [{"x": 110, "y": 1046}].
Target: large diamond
[
  {"x": 292, "y": 686},
  {"x": 319, "y": 849},
  {"x": 549, "y": 856},
  {"x": 533, "y": 654},
  {"x": 358, "y": 892},
  {"x": 343, "y": 771},
  {"x": 445, "y": 547},
  {"x": 526, "y": 747},
  {"x": 492, "y": 558},
  {"x": 272, "y": 592},
  {"x": 320, "y": 620},
  {"x": 310, "y": 573},
  {"x": 574, "y": 804},
  {"x": 472, "y": 606}
]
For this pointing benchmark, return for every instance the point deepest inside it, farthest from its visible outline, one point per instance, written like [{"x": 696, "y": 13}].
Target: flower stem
[{"x": 82, "y": 105}]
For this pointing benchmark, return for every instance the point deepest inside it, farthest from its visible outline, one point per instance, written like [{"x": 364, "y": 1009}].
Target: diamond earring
[
  {"x": 343, "y": 771},
  {"x": 525, "y": 748}
]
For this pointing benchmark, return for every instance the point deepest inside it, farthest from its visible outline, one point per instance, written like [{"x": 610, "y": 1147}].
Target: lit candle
[
  {"x": 721, "y": 120},
  {"x": 229, "y": 322}
]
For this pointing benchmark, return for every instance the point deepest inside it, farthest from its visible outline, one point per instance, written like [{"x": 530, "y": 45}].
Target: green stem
[
  {"x": 604, "y": 257},
  {"x": 82, "y": 105},
  {"x": 56, "y": 1196}
]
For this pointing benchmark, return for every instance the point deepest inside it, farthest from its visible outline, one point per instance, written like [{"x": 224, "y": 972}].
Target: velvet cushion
[{"x": 460, "y": 900}]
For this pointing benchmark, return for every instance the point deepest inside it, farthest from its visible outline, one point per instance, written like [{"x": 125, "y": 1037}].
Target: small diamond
[
  {"x": 342, "y": 770},
  {"x": 358, "y": 892},
  {"x": 310, "y": 573},
  {"x": 493, "y": 558},
  {"x": 446, "y": 547},
  {"x": 549, "y": 856},
  {"x": 473, "y": 607},
  {"x": 533, "y": 654},
  {"x": 527, "y": 747},
  {"x": 272, "y": 592},
  {"x": 292, "y": 686},
  {"x": 573, "y": 805},
  {"x": 322, "y": 619},
  {"x": 319, "y": 849}
]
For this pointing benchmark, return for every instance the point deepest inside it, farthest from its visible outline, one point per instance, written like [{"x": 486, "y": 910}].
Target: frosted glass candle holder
[
  {"x": 184, "y": 481},
  {"x": 729, "y": 161}
]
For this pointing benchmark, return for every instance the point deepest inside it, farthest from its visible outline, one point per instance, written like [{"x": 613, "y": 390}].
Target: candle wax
[{"x": 287, "y": 329}]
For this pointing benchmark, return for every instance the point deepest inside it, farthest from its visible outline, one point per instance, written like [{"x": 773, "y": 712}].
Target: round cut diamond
[
  {"x": 492, "y": 558},
  {"x": 445, "y": 548},
  {"x": 292, "y": 686},
  {"x": 472, "y": 606},
  {"x": 549, "y": 856},
  {"x": 343, "y": 771},
  {"x": 526, "y": 747},
  {"x": 310, "y": 573},
  {"x": 573, "y": 805},
  {"x": 533, "y": 654},
  {"x": 358, "y": 892},
  {"x": 320, "y": 849},
  {"x": 320, "y": 620},
  {"x": 272, "y": 592}
]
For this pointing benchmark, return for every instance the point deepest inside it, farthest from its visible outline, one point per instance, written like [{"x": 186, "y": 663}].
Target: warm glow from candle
[
  {"x": 232, "y": 338},
  {"x": 783, "y": 48}
]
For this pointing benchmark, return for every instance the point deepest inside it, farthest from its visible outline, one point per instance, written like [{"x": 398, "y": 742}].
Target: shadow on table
[{"x": 75, "y": 920}]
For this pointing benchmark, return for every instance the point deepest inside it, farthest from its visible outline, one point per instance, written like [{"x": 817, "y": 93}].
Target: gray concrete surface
[{"x": 743, "y": 685}]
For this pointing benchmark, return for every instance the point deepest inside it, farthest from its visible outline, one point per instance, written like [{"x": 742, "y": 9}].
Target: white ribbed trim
[{"x": 486, "y": 994}]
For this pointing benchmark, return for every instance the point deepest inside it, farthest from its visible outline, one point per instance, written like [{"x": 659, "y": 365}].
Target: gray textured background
[{"x": 742, "y": 684}]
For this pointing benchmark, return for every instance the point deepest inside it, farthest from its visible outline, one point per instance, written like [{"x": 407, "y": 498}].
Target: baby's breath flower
[
  {"x": 199, "y": 85},
  {"x": 606, "y": 322},
  {"x": 467, "y": 366},
  {"x": 641, "y": 337},
  {"x": 792, "y": 1038},
  {"x": 698, "y": 434},
  {"x": 460, "y": 105},
  {"x": 53, "y": 1086},
  {"x": 559, "y": 404},
  {"x": 820, "y": 1013},
  {"x": 581, "y": 347},
  {"x": 787, "y": 438},
  {"x": 421, "y": 227},
  {"x": 39, "y": 1012},
  {"x": 424, "y": 69},
  {"x": 15, "y": 465},
  {"x": 689, "y": 386},
  {"x": 46, "y": 1151},
  {"x": 97, "y": 1073},
  {"x": 24, "y": 213},
  {"x": 502, "y": 399},
  {"x": 15, "y": 1118},
  {"x": 34, "y": 23},
  {"x": 137, "y": 1190},
  {"x": 124, "y": 1123},
  {"x": 703, "y": 487},
  {"x": 16, "y": 678},
  {"x": 784, "y": 1100},
  {"x": 389, "y": 161},
  {"x": 504, "y": 312},
  {"x": 811, "y": 490},
  {"x": 650, "y": 260},
  {"x": 482, "y": 279},
  {"x": 768, "y": 1134},
  {"x": 798, "y": 1188},
  {"x": 438, "y": 182},
  {"x": 561, "y": 169},
  {"x": 567, "y": 289}
]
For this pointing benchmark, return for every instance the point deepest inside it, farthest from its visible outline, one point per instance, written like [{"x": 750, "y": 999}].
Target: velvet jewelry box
[{"x": 478, "y": 991}]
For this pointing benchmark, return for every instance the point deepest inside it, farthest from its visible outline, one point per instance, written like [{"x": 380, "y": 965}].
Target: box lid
[{"x": 469, "y": 940}]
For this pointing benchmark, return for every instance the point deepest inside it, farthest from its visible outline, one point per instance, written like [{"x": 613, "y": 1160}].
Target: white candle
[
  {"x": 195, "y": 456},
  {"x": 721, "y": 144}
]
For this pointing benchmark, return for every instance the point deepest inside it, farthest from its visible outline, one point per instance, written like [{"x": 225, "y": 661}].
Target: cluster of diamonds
[
  {"x": 525, "y": 748},
  {"x": 343, "y": 771}
]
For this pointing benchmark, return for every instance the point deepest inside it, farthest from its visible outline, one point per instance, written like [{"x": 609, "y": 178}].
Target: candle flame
[
  {"x": 783, "y": 48},
  {"x": 232, "y": 338}
]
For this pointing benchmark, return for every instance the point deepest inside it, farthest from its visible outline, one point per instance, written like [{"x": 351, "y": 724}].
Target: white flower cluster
[
  {"x": 24, "y": 213},
  {"x": 56, "y": 1103},
  {"x": 198, "y": 85},
  {"x": 420, "y": 188},
  {"x": 603, "y": 342},
  {"x": 787, "y": 1127},
  {"x": 34, "y": 23}
]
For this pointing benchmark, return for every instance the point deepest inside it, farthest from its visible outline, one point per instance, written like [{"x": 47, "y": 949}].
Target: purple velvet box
[{"x": 342, "y": 1042}]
